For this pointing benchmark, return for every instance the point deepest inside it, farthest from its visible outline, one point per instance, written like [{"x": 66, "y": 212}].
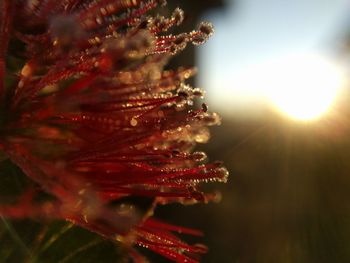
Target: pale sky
[{"x": 251, "y": 32}]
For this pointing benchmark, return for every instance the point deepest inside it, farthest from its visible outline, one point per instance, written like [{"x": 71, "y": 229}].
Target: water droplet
[
  {"x": 199, "y": 156},
  {"x": 133, "y": 122}
]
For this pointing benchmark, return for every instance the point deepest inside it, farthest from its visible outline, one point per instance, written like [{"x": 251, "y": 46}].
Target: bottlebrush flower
[{"x": 94, "y": 119}]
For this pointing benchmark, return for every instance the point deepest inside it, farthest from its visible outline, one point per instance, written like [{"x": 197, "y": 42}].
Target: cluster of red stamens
[{"x": 92, "y": 117}]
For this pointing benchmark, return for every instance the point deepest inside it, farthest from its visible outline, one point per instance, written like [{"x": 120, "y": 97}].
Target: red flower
[{"x": 95, "y": 119}]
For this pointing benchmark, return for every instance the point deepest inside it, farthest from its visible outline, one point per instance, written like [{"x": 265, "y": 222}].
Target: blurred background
[{"x": 278, "y": 73}]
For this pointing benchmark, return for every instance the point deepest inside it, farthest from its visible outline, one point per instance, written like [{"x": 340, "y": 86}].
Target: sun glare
[{"x": 303, "y": 86}]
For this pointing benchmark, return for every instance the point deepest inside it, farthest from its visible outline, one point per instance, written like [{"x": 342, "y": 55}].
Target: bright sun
[{"x": 301, "y": 86}]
